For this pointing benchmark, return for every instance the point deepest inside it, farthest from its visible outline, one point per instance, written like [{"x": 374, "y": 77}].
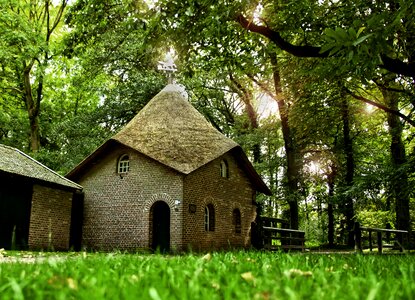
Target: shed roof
[
  {"x": 171, "y": 131},
  {"x": 14, "y": 161}
]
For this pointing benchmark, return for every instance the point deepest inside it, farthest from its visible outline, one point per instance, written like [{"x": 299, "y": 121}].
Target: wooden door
[{"x": 160, "y": 227}]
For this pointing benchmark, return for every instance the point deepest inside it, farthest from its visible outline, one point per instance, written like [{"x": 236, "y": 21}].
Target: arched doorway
[{"x": 160, "y": 219}]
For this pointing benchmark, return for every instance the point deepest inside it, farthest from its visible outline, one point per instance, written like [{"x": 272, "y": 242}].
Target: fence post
[
  {"x": 370, "y": 240},
  {"x": 388, "y": 234},
  {"x": 357, "y": 238},
  {"x": 402, "y": 240},
  {"x": 285, "y": 240},
  {"x": 302, "y": 236},
  {"x": 380, "y": 246}
]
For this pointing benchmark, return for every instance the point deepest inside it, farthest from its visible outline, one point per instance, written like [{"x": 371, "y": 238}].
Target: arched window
[
  {"x": 123, "y": 165},
  {"x": 224, "y": 169},
  {"x": 209, "y": 218},
  {"x": 236, "y": 220}
]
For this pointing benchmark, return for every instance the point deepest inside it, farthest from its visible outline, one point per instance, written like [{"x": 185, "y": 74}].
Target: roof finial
[{"x": 169, "y": 67}]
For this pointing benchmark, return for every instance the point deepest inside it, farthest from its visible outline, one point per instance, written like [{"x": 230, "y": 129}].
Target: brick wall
[
  {"x": 205, "y": 186},
  {"x": 117, "y": 208},
  {"x": 50, "y": 218},
  {"x": 117, "y": 211}
]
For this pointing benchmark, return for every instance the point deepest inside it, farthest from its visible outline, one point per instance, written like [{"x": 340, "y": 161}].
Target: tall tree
[
  {"x": 399, "y": 180},
  {"x": 291, "y": 150},
  {"x": 347, "y": 205},
  {"x": 27, "y": 47}
]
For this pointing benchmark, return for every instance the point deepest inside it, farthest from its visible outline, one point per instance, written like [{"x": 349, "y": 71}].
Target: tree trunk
[
  {"x": 289, "y": 146},
  {"x": 247, "y": 97},
  {"x": 348, "y": 209},
  {"x": 330, "y": 209},
  {"x": 294, "y": 220},
  {"x": 330, "y": 225},
  {"x": 39, "y": 16},
  {"x": 399, "y": 179},
  {"x": 32, "y": 107}
]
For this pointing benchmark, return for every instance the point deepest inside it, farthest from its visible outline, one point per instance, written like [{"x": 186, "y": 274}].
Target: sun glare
[
  {"x": 258, "y": 13},
  {"x": 266, "y": 106},
  {"x": 369, "y": 108},
  {"x": 315, "y": 168}
]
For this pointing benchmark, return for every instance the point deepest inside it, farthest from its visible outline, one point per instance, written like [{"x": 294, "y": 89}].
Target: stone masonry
[
  {"x": 50, "y": 218},
  {"x": 117, "y": 208},
  {"x": 205, "y": 186}
]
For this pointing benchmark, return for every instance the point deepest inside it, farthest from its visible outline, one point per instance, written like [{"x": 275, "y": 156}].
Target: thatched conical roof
[{"x": 170, "y": 130}]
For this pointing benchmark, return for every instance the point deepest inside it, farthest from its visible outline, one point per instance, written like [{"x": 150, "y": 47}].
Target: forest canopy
[{"x": 320, "y": 94}]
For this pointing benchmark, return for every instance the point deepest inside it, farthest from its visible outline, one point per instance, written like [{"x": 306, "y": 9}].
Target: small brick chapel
[{"x": 168, "y": 180}]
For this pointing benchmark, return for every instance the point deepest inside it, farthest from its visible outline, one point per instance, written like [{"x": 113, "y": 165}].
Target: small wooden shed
[{"x": 35, "y": 203}]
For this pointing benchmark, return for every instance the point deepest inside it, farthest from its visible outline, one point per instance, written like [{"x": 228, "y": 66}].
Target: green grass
[{"x": 232, "y": 275}]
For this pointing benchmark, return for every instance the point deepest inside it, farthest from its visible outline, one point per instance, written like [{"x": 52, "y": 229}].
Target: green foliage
[{"x": 377, "y": 219}]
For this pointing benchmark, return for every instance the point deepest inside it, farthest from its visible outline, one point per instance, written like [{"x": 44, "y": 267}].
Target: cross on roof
[{"x": 169, "y": 67}]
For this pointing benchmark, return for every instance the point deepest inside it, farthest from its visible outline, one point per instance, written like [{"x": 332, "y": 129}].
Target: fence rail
[
  {"x": 276, "y": 235},
  {"x": 399, "y": 240}
]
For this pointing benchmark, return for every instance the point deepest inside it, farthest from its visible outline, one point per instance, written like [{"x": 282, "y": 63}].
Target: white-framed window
[
  {"x": 123, "y": 166},
  {"x": 209, "y": 218},
  {"x": 224, "y": 169}
]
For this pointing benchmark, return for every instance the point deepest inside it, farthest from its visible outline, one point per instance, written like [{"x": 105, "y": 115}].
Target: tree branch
[
  {"x": 58, "y": 18},
  {"x": 247, "y": 97},
  {"x": 381, "y": 106},
  {"x": 59, "y": 15},
  {"x": 15, "y": 89},
  {"x": 263, "y": 87},
  {"x": 274, "y": 36},
  {"x": 397, "y": 66},
  {"x": 391, "y": 64}
]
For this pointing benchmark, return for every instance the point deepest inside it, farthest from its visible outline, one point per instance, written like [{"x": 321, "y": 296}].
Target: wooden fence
[
  {"x": 399, "y": 238},
  {"x": 276, "y": 235}
]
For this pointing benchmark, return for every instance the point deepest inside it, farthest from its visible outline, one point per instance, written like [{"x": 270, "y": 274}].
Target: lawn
[{"x": 227, "y": 275}]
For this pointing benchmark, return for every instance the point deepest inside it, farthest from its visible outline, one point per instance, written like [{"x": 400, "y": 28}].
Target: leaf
[
  {"x": 262, "y": 295},
  {"x": 189, "y": 12},
  {"x": 360, "y": 31},
  {"x": 207, "y": 257},
  {"x": 326, "y": 47},
  {"x": 335, "y": 50},
  {"x": 297, "y": 273},
  {"x": 247, "y": 276},
  {"x": 352, "y": 32},
  {"x": 17, "y": 289},
  {"x": 350, "y": 56},
  {"x": 330, "y": 33},
  {"x": 341, "y": 34},
  {"x": 72, "y": 284},
  {"x": 154, "y": 294},
  {"x": 361, "y": 39},
  {"x": 216, "y": 286}
]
